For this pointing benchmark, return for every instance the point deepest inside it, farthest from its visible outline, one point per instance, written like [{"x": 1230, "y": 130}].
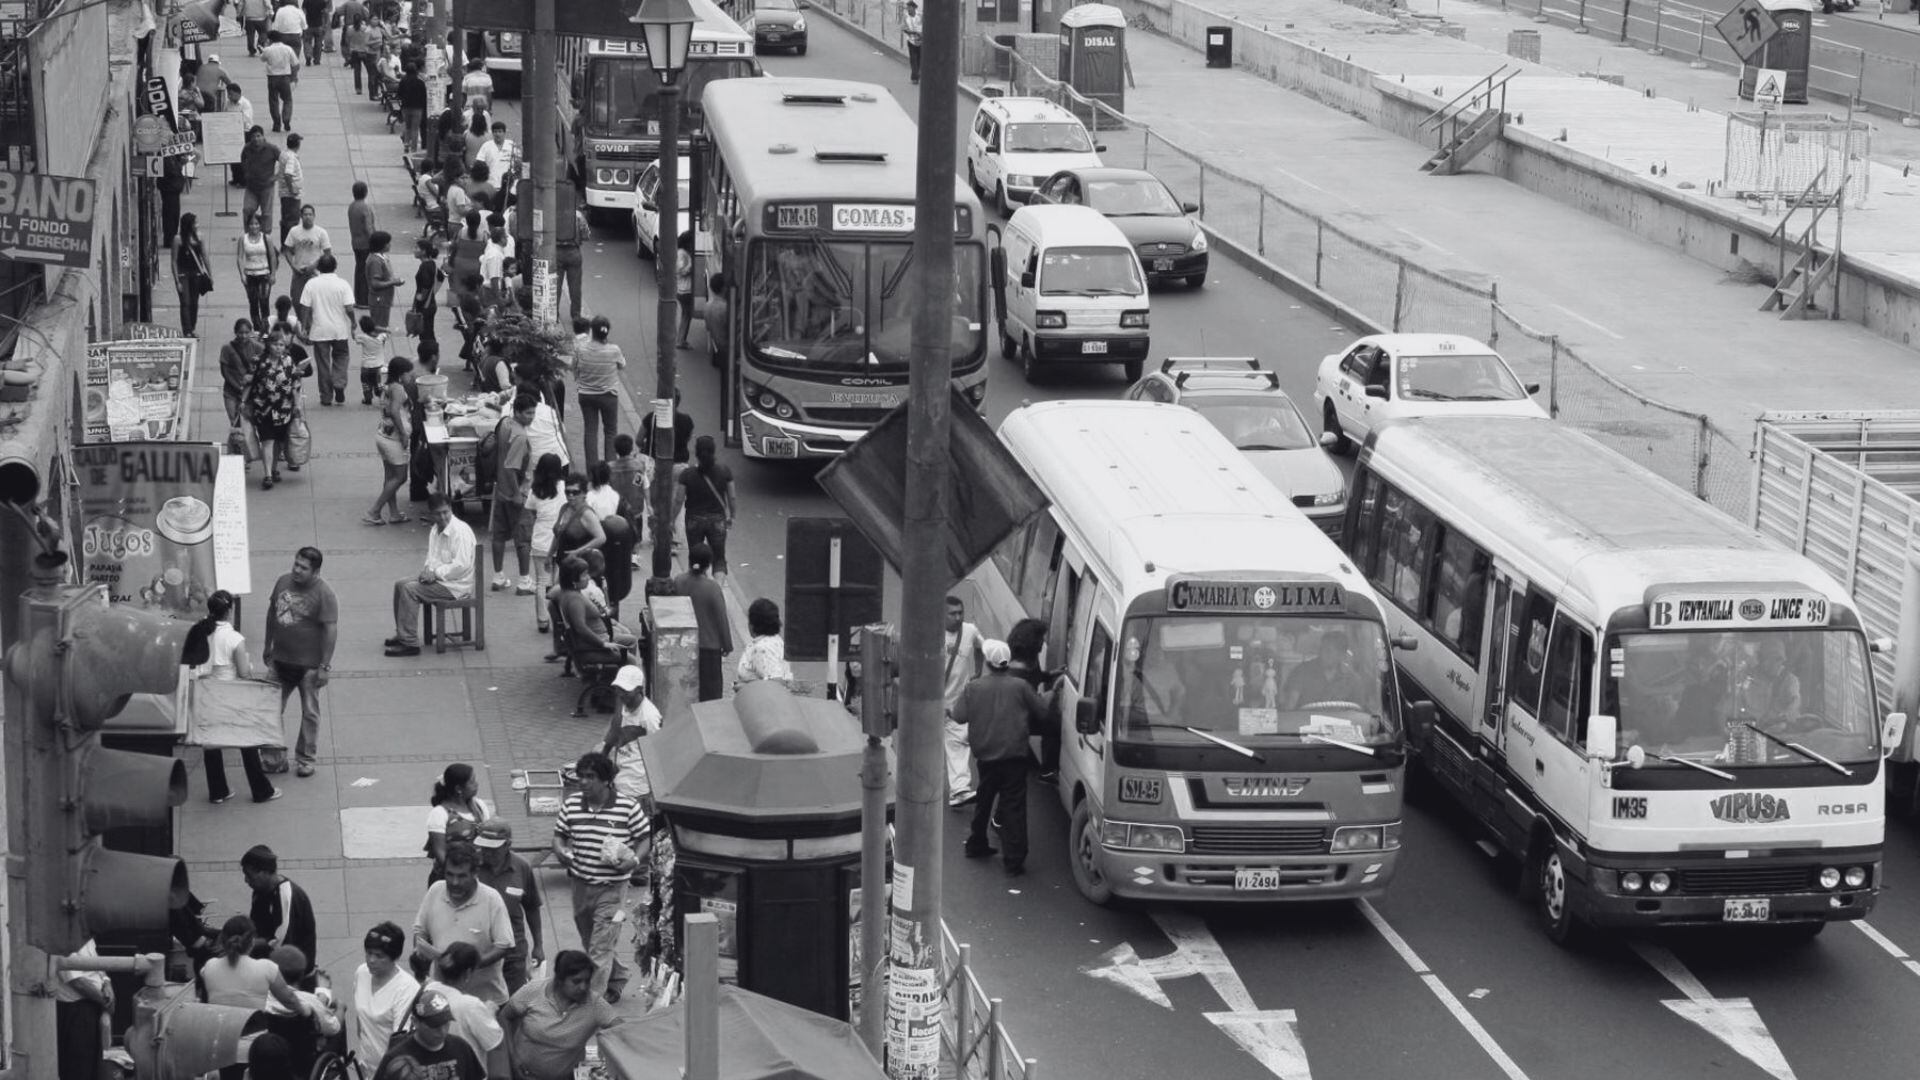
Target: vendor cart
[{"x": 454, "y": 431}]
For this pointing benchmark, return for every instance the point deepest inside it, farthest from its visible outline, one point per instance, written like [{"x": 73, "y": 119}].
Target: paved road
[{"x": 1446, "y": 976}]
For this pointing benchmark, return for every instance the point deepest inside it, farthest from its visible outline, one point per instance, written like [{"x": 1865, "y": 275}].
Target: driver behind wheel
[
  {"x": 1770, "y": 691},
  {"x": 1327, "y": 676}
]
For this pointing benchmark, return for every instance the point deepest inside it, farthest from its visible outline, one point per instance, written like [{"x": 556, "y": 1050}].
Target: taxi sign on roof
[
  {"x": 1726, "y": 611},
  {"x": 1262, "y": 597}
]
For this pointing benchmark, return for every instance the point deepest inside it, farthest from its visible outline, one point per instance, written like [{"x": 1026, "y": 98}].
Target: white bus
[
  {"x": 1231, "y": 723},
  {"x": 1666, "y": 717},
  {"x": 810, "y": 196}
]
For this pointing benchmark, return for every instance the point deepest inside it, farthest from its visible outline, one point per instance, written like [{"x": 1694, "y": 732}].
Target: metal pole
[
  {"x": 1260, "y": 230},
  {"x": 1319, "y": 248},
  {"x": 1582, "y": 28},
  {"x": 925, "y": 576},
  {"x": 437, "y": 39},
  {"x": 1626, "y": 14},
  {"x": 1553, "y": 375},
  {"x": 536, "y": 149},
  {"x": 876, "y": 675},
  {"x": 666, "y": 331},
  {"x": 702, "y": 1023},
  {"x": 1659, "y": 16}
]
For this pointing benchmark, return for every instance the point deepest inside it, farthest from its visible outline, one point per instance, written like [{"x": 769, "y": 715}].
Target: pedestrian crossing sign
[{"x": 1769, "y": 87}]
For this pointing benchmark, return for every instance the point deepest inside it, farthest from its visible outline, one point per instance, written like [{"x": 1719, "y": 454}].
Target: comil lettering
[{"x": 29, "y": 195}]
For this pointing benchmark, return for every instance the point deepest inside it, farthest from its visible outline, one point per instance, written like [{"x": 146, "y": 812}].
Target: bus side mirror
[
  {"x": 1883, "y": 645},
  {"x": 1603, "y": 737},
  {"x": 1086, "y": 720},
  {"x": 1026, "y": 280},
  {"x": 1893, "y": 733},
  {"x": 997, "y": 263},
  {"x": 1189, "y": 207},
  {"x": 1329, "y": 440}
]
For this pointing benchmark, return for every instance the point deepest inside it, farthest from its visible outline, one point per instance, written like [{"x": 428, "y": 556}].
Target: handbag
[
  {"x": 299, "y": 440},
  {"x": 412, "y": 321},
  {"x": 237, "y": 442}
]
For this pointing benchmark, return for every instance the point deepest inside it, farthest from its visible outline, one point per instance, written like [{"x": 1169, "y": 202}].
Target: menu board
[
  {"x": 147, "y": 523},
  {"x": 137, "y": 391}
]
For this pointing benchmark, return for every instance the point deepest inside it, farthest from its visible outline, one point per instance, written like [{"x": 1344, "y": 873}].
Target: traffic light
[
  {"x": 174, "y": 1037},
  {"x": 77, "y": 661}
]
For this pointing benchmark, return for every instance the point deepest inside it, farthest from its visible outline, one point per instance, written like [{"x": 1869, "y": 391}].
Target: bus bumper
[
  {"x": 602, "y": 198},
  {"x": 1608, "y": 905},
  {"x": 1156, "y": 876},
  {"x": 761, "y": 436}
]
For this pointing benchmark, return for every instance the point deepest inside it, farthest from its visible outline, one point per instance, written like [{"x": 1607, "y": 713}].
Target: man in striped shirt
[{"x": 600, "y": 837}]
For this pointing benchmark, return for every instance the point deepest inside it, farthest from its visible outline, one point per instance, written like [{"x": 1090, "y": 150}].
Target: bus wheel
[
  {"x": 1553, "y": 892},
  {"x": 1083, "y": 843},
  {"x": 1330, "y": 423}
]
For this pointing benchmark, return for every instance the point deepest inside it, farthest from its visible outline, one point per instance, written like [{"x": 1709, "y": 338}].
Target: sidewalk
[{"x": 352, "y": 834}]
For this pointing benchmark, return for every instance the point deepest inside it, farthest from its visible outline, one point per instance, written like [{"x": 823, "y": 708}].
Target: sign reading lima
[
  {"x": 854, "y": 218},
  {"x": 1290, "y": 598}
]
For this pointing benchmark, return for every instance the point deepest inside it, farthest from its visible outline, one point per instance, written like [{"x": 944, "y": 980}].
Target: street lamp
[{"x": 667, "y": 28}]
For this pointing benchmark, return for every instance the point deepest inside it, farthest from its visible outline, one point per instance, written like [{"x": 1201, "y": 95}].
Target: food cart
[{"x": 454, "y": 429}]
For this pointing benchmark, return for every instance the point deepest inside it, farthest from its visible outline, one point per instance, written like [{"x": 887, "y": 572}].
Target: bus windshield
[
  {"x": 839, "y": 305},
  {"x": 623, "y": 93},
  {"x": 1694, "y": 694},
  {"x": 1255, "y": 680}
]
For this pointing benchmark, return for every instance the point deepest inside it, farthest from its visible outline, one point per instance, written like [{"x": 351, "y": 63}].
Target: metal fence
[{"x": 977, "y": 1042}]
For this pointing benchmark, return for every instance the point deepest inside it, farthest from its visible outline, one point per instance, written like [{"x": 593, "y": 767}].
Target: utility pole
[
  {"x": 914, "y": 1049},
  {"x": 666, "y": 337},
  {"x": 537, "y": 149},
  {"x": 437, "y": 46},
  {"x": 876, "y": 719}
]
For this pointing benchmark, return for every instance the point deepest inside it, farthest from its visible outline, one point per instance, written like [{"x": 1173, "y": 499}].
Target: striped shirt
[{"x": 587, "y": 832}]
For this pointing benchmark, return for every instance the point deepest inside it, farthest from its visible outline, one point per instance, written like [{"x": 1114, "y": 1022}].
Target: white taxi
[
  {"x": 1386, "y": 377},
  {"x": 1015, "y": 143}
]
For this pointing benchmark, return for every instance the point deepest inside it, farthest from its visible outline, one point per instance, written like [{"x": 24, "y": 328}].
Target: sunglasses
[{"x": 576, "y": 491}]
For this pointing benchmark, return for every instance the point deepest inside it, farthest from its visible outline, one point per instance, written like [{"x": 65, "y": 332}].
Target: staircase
[
  {"x": 1799, "y": 282},
  {"x": 1460, "y": 138}
]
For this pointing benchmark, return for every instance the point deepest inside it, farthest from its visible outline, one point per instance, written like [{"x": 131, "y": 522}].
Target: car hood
[
  {"x": 1177, "y": 229},
  {"x": 1027, "y": 163},
  {"x": 1522, "y": 407},
  {"x": 1298, "y": 472},
  {"x": 775, "y": 20}
]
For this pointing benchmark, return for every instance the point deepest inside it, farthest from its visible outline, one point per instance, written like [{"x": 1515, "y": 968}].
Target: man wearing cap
[
  {"x": 999, "y": 711},
  {"x": 512, "y": 877},
  {"x": 459, "y": 908},
  {"x": 635, "y": 718},
  {"x": 432, "y": 1050}
]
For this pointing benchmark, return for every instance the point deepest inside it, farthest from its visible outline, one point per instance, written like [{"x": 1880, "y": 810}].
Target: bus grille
[
  {"x": 1742, "y": 880},
  {"x": 1258, "y": 840}
]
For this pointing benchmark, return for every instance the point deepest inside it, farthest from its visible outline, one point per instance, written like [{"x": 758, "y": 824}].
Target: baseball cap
[
  {"x": 996, "y": 653},
  {"x": 433, "y": 1008},
  {"x": 495, "y": 833},
  {"x": 629, "y": 677}
]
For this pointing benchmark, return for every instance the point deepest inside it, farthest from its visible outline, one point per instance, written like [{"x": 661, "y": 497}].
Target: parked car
[
  {"x": 1245, "y": 403},
  {"x": 646, "y": 212},
  {"x": 778, "y": 24},
  {"x": 1016, "y": 142},
  {"x": 1388, "y": 376},
  {"x": 1171, "y": 245}
]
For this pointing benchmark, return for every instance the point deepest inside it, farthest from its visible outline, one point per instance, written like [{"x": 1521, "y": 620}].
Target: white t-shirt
[
  {"x": 545, "y": 513},
  {"x": 221, "y": 645},
  {"x": 377, "y": 1013},
  {"x": 438, "y": 816},
  {"x": 957, "y": 659},
  {"x": 473, "y": 1019},
  {"x": 603, "y": 501},
  {"x": 631, "y": 779},
  {"x": 325, "y": 1020}
]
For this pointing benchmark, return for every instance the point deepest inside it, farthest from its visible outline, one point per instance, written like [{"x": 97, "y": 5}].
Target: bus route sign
[
  {"x": 46, "y": 219},
  {"x": 1263, "y": 597}
]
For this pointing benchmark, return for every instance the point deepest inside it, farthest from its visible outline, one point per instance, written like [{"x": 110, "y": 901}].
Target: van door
[
  {"x": 1090, "y": 676},
  {"x": 1521, "y": 735},
  {"x": 1023, "y": 267},
  {"x": 1561, "y": 767},
  {"x": 1506, "y": 603}
]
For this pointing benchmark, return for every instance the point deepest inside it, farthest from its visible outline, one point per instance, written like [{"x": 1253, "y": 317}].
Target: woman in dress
[
  {"x": 392, "y": 438},
  {"x": 544, "y": 501},
  {"x": 382, "y": 280},
  {"x": 455, "y": 798},
  {"x": 256, "y": 261},
  {"x": 221, "y": 655},
  {"x": 382, "y": 993},
  {"x": 765, "y": 657},
  {"x": 273, "y": 397},
  {"x": 683, "y": 282},
  {"x": 192, "y": 275}
]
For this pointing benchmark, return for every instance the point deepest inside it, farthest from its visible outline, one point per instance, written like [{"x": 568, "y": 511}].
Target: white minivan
[
  {"x": 1070, "y": 290},
  {"x": 1015, "y": 143}
]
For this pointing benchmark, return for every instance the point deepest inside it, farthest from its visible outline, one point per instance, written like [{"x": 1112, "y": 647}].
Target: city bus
[
  {"x": 609, "y": 102},
  {"x": 1230, "y": 715},
  {"x": 810, "y": 203},
  {"x": 1663, "y": 717}
]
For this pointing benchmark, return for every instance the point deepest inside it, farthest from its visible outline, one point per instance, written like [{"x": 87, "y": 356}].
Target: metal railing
[{"x": 977, "y": 1043}]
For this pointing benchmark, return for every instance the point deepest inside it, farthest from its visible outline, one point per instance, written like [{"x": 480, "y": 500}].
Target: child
[
  {"x": 633, "y": 479},
  {"x": 371, "y": 343}
]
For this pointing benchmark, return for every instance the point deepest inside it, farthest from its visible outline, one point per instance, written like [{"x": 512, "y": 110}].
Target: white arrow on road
[
  {"x": 1733, "y": 1021},
  {"x": 1270, "y": 1035}
]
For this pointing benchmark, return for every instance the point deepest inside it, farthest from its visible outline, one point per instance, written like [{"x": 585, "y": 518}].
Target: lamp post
[{"x": 667, "y": 28}]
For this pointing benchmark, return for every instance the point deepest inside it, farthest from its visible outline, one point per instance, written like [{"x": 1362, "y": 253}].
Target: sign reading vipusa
[{"x": 46, "y": 219}]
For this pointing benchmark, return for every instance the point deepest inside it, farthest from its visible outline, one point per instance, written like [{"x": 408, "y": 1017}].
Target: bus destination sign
[
  {"x": 894, "y": 219},
  {"x": 1263, "y": 597},
  {"x": 1683, "y": 611}
]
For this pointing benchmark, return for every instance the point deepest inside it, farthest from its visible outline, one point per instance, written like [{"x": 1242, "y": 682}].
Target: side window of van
[
  {"x": 1528, "y": 661},
  {"x": 1066, "y": 594},
  {"x": 1089, "y": 591},
  {"x": 1364, "y": 534},
  {"x": 1011, "y": 554}
]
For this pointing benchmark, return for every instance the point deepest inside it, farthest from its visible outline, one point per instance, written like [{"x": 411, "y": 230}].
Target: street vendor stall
[{"x": 455, "y": 428}]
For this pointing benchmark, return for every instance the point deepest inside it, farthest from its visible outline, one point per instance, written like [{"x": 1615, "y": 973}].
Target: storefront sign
[
  {"x": 46, "y": 219},
  {"x": 137, "y": 391},
  {"x": 148, "y": 523}
]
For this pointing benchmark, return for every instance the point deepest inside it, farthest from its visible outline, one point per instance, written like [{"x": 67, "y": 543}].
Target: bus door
[
  {"x": 1091, "y": 678},
  {"x": 1507, "y": 594}
]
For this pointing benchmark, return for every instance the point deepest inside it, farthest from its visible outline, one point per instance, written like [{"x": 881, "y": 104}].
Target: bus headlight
[
  {"x": 769, "y": 402},
  {"x": 1050, "y": 320},
  {"x": 1133, "y": 320},
  {"x": 1856, "y": 876},
  {"x": 1631, "y": 881},
  {"x": 603, "y": 176},
  {"x": 1660, "y": 882},
  {"x": 1366, "y": 838},
  {"x": 623, "y": 177},
  {"x": 1829, "y": 877},
  {"x": 1127, "y": 836}
]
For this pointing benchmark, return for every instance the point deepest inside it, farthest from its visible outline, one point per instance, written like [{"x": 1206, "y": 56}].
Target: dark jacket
[{"x": 1000, "y": 711}]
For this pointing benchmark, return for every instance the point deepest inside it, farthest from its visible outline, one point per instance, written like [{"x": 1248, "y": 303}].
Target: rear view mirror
[
  {"x": 1893, "y": 733},
  {"x": 1603, "y": 737},
  {"x": 1189, "y": 207},
  {"x": 1406, "y": 642},
  {"x": 1086, "y": 719},
  {"x": 1375, "y": 390},
  {"x": 1099, "y": 148},
  {"x": 1882, "y": 645},
  {"x": 993, "y": 91},
  {"x": 997, "y": 262}
]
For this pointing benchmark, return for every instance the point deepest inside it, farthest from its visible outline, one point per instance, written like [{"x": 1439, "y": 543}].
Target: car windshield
[
  {"x": 1053, "y": 136},
  {"x": 1255, "y": 423},
  {"x": 848, "y": 306},
  {"x": 623, "y": 94},
  {"x": 1090, "y": 271},
  {"x": 1457, "y": 377},
  {"x": 1693, "y": 695},
  {"x": 1137, "y": 197},
  {"x": 1254, "y": 679}
]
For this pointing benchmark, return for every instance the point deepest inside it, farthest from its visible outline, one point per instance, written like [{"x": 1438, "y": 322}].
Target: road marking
[
  {"x": 1453, "y": 1004},
  {"x": 1590, "y": 322},
  {"x": 1887, "y": 944},
  {"x": 1734, "y": 1021}
]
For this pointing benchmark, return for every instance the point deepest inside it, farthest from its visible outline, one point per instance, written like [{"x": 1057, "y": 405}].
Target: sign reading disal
[{"x": 46, "y": 219}]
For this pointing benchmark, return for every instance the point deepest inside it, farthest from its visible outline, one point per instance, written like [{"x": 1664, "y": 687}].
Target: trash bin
[
  {"x": 1220, "y": 46},
  {"x": 1524, "y": 45},
  {"x": 1093, "y": 45},
  {"x": 1789, "y": 50}
]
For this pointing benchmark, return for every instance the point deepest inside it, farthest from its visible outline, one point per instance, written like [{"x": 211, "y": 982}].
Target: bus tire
[
  {"x": 1330, "y": 423},
  {"x": 1552, "y": 891},
  {"x": 1083, "y": 855}
]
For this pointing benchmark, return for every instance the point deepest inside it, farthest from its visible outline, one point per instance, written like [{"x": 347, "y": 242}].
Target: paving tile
[{"x": 382, "y": 832}]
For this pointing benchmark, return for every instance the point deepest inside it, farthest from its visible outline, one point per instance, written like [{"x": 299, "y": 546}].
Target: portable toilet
[
  {"x": 1093, "y": 51},
  {"x": 1790, "y": 49}
]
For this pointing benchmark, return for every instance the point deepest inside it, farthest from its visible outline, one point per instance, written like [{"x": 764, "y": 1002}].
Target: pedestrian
[
  {"x": 683, "y": 283},
  {"x": 236, "y": 368},
  {"x": 586, "y": 630},
  {"x": 370, "y": 345},
  {"x": 476, "y": 88},
  {"x": 602, "y": 498},
  {"x": 910, "y": 28},
  {"x": 257, "y": 262},
  {"x": 82, "y": 1002},
  {"x": 1027, "y": 642},
  {"x": 215, "y": 650},
  {"x": 330, "y": 303},
  {"x": 259, "y": 170},
  {"x": 477, "y": 136},
  {"x": 420, "y": 466},
  {"x": 290, "y": 25},
  {"x": 382, "y": 279},
  {"x": 272, "y": 400},
  {"x": 545, "y": 499},
  {"x": 597, "y": 366},
  {"x": 508, "y": 520},
  {"x": 303, "y": 620},
  {"x": 393, "y": 440},
  {"x": 269, "y": 1057},
  {"x": 172, "y": 184},
  {"x": 455, "y": 798},
  {"x": 634, "y": 718},
  {"x": 353, "y": 43},
  {"x": 512, "y": 877},
  {"x": 473, "y": 1019},
  {"x": 301, "y": 1035},
  {"x": 459, "y": 908},
  {"x": 568, "y": 264},
  {"x": 281, "y": 59},
  {"x": 426, "y": 288},
  {"x": 282, "y": 913},
  {"x": 710, "y": 617},
  {"x": 765, "y": 656},
  {"x": 498, "y": 153},
  {"x": 236, "y": 977},
  {"x": 211, "y": 80},
  {"x": 549, "y": 1023},
  {"x": 576, "y": 529},
  {"x": 446, "y": 575},
  {"x": 360, "y": 227},
  {"x": 412, "y": 91},
  {"x": 303, "y": 245},
  {"x": 961, "y": 660},
  {"x": 1000, "y": 711},
  {"x": 254, "y": 15},
  {"x": 429, "y": 1050},
  {"x": 382, "y": 992},
  {"x": 632, "y": 477},
  {"x": 682, "y": 432},
  {"x": 600, "y": 837},
  {"x": 707, "y": 493},
  {"x": 376, "y": 48},
  {"x": 318, "y": 13},
  {"x": 715, "y": 319},
  {"x": 292, "y": 177},
  {"x": 192, "y": 278}
]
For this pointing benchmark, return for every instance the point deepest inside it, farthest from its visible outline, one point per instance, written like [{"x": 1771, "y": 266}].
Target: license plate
[
  {"x": 1265, "y": 880},
  {"x": 773, "y": 37},
  {"x": 782, "y": 448},
  {"x": 1747, "y": 910},
  {"x": 1093, "y": 347},
  {"x": 1163, "y": 264}
]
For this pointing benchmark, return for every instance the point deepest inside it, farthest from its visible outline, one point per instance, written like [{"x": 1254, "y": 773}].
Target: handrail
[
  {"x": 1780, "y": 230},
  {"x": 1436, "y": 117}
]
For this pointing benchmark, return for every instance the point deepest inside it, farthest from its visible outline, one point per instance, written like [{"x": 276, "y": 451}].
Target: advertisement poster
[
  {"x": 726, "y": 918},
  {"x": 147, "y": 523},
  {"x": 137, "y": 391}
]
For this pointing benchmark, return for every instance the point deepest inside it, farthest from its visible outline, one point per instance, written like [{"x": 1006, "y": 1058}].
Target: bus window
[
  {"x": 1460, "y": 595},
  {"x": 1529, "y": 651},
  {"x": 1088, "y": 589},
  {"x": 1099, "y": 670},
  {"x": 1406, "y": 548},
  {"x": 1037, "y": 567},
  {"x": 1569, "y": 690},
  {"x": 1011, "y": 554},
  {"x": 1066, "y": 594}
]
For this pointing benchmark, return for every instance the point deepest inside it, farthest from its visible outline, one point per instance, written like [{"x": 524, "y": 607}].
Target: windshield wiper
[
  {"x": 1228, "y": 743},
  {"x": 1263, "y": 446},
  {"x": 1692, "y": 764},
  {"x": 1485, "y": 397},
  {"x": 1811, "y": 755},
  {"x": 1341, "y": 743},
  {"x": 1431, "y": 395}
]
